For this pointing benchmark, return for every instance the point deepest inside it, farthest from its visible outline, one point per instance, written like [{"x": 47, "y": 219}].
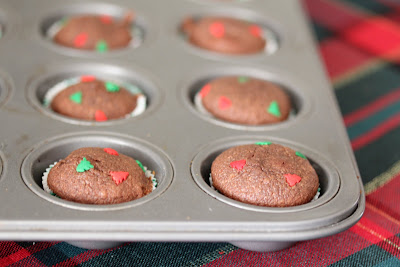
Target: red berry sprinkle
[
  {"x": 217, "y": 29},
  {"x": 119, "y": 177},
  {"x": 238, "y": 165},
  {"x": 111, "y": 151},
  {"x": 87, "y": 78},
  {"x": 224, "y": 102},
  {"x": 255, "y": 30},
  {"x": 106, "y": 19},
  {"x": 81, "y": 39},
  {"x": 292, "y": 179},
  {"x": 100, "y": 116},
  {"x": 205, "y": 90}
]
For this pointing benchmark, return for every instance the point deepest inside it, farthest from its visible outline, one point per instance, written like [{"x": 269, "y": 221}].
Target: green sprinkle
[
  {"x": 242, "y": 79},
  {"x": 84, "y": 165},
  {"x": 300, "y": 155},
  {"x": 140, "y": 165},
  {"x": 76, "y": 97},
  {"x": 64, "y": 21},
  {"x": 274, "y": 109},
  {"x": 111, "y": 87},
  {"x": 101, "y": 46},
  {"x": 263, "y": 143}
]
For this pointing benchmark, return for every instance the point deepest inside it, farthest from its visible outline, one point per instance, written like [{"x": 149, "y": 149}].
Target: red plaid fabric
[{"x": 359, "y": 41}]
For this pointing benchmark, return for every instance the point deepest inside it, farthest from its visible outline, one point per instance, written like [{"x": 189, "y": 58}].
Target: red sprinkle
[
  {"x": 87, "y": 78},
  {"x": 106, "y": 19},
  {"x": 111, "y": 151},
  {"x": 217, "y": 29},
  {"x": 238, "y": 165},
  {"x": 100, "y": 116},
  {"x": 224, "y": 102},
  {"x": 119, "y": 177},
  {"x": 292, "y": 179},
  {"x": 205, "y": 90},
  {"x": 81, "y": 39},
  {"x": 255, "y": 30}
]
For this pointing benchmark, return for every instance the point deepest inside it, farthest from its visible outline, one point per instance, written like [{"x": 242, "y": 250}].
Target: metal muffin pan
[{"x": 171, "y": 137}]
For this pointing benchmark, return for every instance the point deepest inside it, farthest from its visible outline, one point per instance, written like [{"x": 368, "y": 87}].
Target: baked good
[
  {"x": 93, "y": 175},
  {"x": 224, "y": 35},
  {"x": 244, "y": 100},
  {"x": 265, "y": 174},
  {"x": 88, "y": 98},
  {"x": 94, "y": 32}
]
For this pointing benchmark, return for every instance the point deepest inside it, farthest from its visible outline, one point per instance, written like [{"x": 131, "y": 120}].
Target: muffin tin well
[
  {"x": 58, "y": 148},
  {"x": 171, "y": 136},
  {"x": 40, "y": 86},
  {"x": 55, "y": 20},
  {"x": 301, "y": 104},
  {"x": 328, "y": 177}
]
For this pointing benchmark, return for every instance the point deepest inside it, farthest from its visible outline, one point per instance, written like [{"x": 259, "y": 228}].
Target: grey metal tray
[{"x": 171, "y": 137}]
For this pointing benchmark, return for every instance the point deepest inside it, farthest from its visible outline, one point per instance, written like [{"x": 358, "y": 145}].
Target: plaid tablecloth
[{"x": 359, "y": 41}]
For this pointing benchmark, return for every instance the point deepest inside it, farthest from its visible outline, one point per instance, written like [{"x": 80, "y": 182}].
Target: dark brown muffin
[
  {"x": 245, "y": 100},
  {"x": 265, "y": 174},
  {"x": 94, "y": 100},
  {"x": 224, "y": 35},
  {"x": 93, "y": 175},
  {"x": 95, "y": 32}
]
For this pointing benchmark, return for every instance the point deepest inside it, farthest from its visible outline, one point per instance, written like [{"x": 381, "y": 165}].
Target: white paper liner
[
  {"x": 314, "y": 198},
  {"x": 148, "y": 173},
  {"x": 141, "y": 101},
  {"x": 136, "y": 33}
]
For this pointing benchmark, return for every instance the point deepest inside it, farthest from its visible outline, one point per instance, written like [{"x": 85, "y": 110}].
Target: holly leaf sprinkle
[
  {"x": 84, "y": 165},
  {"x": 205, "y": 90},
  {"x": 140, "y": 165},
  {"x": 238, "y": 164},
  {"x": 299, "y": 154},
  {"x": 111, "y": 151},
  {"x": 119, "y": 177},
  {"x": 242, "y": 79},
  {"x": 263, "y": 143},
  {"x": 76, "y": 97},
  {"x": 292, "y": 179},
  {"x": 217, "y": 29},
  {"x": 111, "y": 87},
  {"x": 100, "y": 116},
  {"x": 224, "y": 102},
  {"x": 274, "y": 109},
  {"x": 101, "y": 46}
]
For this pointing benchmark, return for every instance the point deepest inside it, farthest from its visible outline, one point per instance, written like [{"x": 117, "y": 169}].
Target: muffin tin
[{"x": 171, "y": 136}]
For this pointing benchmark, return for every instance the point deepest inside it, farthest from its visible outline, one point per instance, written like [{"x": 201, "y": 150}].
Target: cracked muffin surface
[{"x": 265, "y": 175}]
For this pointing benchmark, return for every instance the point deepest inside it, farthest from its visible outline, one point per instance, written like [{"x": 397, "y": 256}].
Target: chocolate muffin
[
  {"x": 224, "y": 35},
  {"x": 265, "y": 174},
  {"x": 95, "y": 32},
  {"x": 244, "y": 100},
  {"x": 88, "y": 98},
  {"x": 94, "y": 175}
]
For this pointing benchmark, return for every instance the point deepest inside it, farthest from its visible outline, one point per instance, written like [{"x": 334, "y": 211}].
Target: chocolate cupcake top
[
  {"x": 91, "y": 99},
  {"x": 224, "y": 35},
  {"x": 94, "y": 175},
  {"x": 265, "y": 174},
  {"x": 95, "y": 32},
  {"x": 245, "y": 100}
]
